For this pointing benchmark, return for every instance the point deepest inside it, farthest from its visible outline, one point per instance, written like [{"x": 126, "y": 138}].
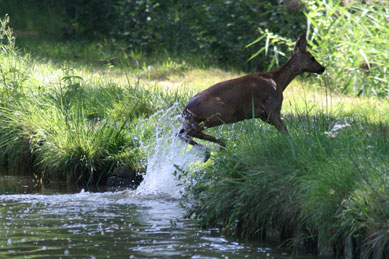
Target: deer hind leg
[
  {"x": 183, "y": 134},
  {"x": 194, "y": 130}
]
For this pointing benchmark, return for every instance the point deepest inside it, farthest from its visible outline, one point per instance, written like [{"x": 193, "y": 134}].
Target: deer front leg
[
  {"x": 201, "y": 135},
  {"x": 275, "y": 119},
  {"x": 272, "y": 112},
  {"x": 273, "y": 116}
]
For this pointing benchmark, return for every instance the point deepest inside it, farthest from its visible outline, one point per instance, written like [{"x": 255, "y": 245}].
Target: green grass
[{"x": 78, "y": 130}]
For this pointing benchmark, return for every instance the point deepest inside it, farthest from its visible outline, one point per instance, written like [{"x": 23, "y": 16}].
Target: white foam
[{"x": 167, "y": 153}]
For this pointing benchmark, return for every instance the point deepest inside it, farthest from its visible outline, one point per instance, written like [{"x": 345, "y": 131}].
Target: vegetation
[
  {"x": 345, "y": 38},
  {"x": 78, "y": 110},
  {"x": 70, "y": 126},
  {"x": 215, "y": 31}
]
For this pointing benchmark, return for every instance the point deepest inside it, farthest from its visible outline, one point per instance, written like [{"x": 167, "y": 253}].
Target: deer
[{"x": 257, "y": 95}]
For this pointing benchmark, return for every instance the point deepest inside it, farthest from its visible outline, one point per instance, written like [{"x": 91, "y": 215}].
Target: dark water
[{"x": 38, "y": 222}]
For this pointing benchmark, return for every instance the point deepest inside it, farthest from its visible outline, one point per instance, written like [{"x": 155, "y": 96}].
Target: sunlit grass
[
  {"x": 300, "y": 94},
  {"x": 349, "y": 38}
]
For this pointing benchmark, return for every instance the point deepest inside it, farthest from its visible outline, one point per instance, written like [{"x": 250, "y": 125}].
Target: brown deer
[{"x": 256, "y": 95}]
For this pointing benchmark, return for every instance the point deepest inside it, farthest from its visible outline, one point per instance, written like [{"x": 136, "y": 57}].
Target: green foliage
[
  {"x": 349, "y": 40},
  {"x": 346, "y": 40},
  {"x": 326, "y": 181},
  {"x": 70, "y": 131},
  {"x": 92, "y": 18},
  {"x": 216, "y": 30},
  {"x": 31, "y": 16},
  {"x": 12, "y": 67}
]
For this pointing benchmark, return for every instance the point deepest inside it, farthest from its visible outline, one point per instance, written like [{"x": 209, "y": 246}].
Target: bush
[{"x": 215, "y": 31}]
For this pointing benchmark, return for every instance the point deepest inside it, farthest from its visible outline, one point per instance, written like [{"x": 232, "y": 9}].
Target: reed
[{"x": 349, "y": 39}]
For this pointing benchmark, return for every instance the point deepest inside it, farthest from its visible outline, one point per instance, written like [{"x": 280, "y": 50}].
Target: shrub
[{"x": 216, "y": 30}]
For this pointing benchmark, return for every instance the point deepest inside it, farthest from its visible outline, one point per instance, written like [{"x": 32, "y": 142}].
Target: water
[
  {"x": 117, "y": 224},
  {"x": 59, "y": 221},
  {"x": 166, "y": 155}
]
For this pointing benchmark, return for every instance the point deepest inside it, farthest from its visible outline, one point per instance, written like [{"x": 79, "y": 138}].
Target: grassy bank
[{"x": 323, "y": 186}]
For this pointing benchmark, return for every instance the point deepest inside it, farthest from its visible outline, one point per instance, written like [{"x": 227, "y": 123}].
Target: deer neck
[{"x": 286, "y": 73}]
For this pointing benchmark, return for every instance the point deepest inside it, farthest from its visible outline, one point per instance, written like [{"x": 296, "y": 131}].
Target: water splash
[{"x": 167, "y": 153}]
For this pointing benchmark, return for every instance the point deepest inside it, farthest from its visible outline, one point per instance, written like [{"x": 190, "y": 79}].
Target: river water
[{"x": 51, "y": 222}]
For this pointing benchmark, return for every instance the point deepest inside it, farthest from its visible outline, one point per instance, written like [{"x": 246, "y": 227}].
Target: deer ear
[{"x": 301, "y": 44}]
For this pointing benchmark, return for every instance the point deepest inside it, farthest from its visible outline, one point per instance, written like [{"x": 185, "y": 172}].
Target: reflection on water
[{"x": 117, "y": 224}]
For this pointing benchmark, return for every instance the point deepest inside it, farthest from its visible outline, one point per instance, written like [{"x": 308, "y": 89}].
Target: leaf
[
  {"x": 256, "y": 41},
  {"x": 256, "y": 53},
  {"x": 365, "y": 58}
]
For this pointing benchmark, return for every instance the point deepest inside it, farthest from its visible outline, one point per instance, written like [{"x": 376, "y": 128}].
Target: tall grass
[
  {"x": 352, "y": 40},
  {"x": 69, "y": 131}
]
